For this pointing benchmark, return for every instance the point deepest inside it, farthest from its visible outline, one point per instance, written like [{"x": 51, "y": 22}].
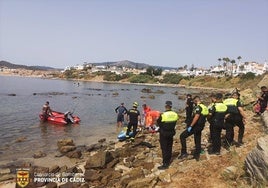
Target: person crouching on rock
[{"x": 167, "y": 122}]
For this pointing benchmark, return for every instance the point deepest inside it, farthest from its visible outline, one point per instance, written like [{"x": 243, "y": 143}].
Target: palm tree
[
  {"x": 239, "y": 58},
  {"x": 219, "y": 60},
  {"x": 226, "y": 60},
  {"x": 232, "y": 62}
]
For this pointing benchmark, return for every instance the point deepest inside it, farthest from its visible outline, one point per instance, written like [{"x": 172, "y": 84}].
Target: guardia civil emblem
[{"x": 22, "y": 177}]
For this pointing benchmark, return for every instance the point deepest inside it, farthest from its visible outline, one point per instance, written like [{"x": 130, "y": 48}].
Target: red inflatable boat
[{"x": 60, "y": 118}]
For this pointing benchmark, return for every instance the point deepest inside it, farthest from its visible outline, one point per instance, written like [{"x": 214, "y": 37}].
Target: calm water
[{"x": 93, "y": 102}]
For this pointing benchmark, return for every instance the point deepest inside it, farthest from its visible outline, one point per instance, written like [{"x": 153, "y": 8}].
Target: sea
[{"x": 21, "y": 100}]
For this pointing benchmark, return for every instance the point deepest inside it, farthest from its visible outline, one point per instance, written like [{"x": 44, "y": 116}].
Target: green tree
[
  {"x": 153, "y": 72},
  {"x": 172, "y": 78},
  {"x": 150, "y": 71}
]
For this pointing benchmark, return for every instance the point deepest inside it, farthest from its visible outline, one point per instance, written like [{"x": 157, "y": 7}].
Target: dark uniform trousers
[
  {"x": 166, "y": 142},
  {"x": 197, "y": 132},
  {"x": 129, "y": 126},
  {"x": 234, "y": 120},
  {"x": 216, "y": 126}
]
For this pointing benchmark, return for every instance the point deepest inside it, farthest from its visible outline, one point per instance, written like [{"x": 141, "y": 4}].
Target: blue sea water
[{"x": 22, "y": 134}]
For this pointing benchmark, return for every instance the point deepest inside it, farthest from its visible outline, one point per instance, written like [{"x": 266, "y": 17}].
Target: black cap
[
  {"x": 168, "y": 103},
  {"x": 219, "y": 95}
]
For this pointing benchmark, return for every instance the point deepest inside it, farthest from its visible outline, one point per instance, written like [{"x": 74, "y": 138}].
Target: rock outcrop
[{"x": 257, "y": 160}]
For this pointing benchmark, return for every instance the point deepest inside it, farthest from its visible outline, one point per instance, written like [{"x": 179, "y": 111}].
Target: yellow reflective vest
[
  {"x": 204, "y": 111},
  {"x": 169, "y": 116},
  {"x": 220, "y": 107},
  {"x": 231, "y": 103}
]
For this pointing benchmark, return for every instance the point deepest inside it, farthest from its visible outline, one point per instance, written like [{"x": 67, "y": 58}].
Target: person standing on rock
[
  {"x": 121, "y": 111},
  {"x": 263, "y": 98},
  {"x": 216, "y": 115},
  {"x": 195, "y": 128},
  {"x": 133, "y": 117},
  {"x": 236, "y": 117},
  {"x": 189, "y": 108},
  {"x": 167, "y": 122},
  {"x": 145, "y": 110}
]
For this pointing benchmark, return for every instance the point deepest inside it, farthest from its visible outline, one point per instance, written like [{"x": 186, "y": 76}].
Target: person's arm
[
  {"x": 116, "y": 109},
  {"x": 195, "y": 119}
]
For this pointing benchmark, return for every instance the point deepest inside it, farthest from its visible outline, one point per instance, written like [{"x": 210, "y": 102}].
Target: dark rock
[
  {"x": 70, "y": 185},
  {"x": 54, "y": 169},
  {"x": 21, "y": 139},
  {"x": 11, "y": 94},
  {"x": 63, "y": 169},
  {"x": 94, "y": 147},
  {"x": 51, "y": 185},
  {"x": 65, "y": 142},
  {"x": 66, "y": 149},
  {"x": 85, "y": 185},
  {"x": 39, "y": 154},
  {"x": 102, "y": 140},
  {"x": 113, "y": 163},
  {"x": 257, "y": 162},
  {"x": 6, "y": 177},
  {"x": 74, "y": 154},
  {"x": 92, "y": 175},
  {"x": 144, "y": 182},
  {"x": 72, "y": 170}
]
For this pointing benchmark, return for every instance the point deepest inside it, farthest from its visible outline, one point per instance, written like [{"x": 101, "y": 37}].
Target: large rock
[
  {"x": 247, "y": 96},
  {"x": 265, "y": 118},
  {"x": 99, "y": 160},
  {"x": 263, "y": 82},
  {"x": 66, "y": 149},
  {"x": 144, "y": 182},
  {"x": 65, "y": 142},
  {"x": 257, "y": 162}
]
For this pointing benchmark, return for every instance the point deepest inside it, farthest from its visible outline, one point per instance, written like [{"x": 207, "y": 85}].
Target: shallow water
[{"x": 22, "y": 134}]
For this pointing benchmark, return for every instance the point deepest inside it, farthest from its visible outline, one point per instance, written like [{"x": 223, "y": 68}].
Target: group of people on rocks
[{"x": 224, "y": 113}]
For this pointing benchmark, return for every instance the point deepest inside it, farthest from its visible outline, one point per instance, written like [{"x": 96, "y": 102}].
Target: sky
[{"x": 174, "y": 33}]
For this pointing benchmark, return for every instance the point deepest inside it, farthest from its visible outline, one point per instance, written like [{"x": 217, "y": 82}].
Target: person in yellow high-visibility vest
[
  {"x": 167, "y": 122},
  {"x": 195, "y": 128}
]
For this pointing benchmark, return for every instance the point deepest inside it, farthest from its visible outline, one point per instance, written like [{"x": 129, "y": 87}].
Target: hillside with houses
[
  {"x": 128, "y": 71},
  {"x": 226, "y": 68}
]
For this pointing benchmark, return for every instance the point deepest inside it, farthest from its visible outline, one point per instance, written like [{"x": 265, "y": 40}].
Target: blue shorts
[{"x": 120, "y": 118}]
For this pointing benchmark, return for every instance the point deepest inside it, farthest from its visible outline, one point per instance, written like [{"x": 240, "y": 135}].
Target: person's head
[
  {"x": 168, "y": 105},
  {"x": 189, "y": 96},
  {"x": 144, "y": 105},
  {"x": 135, "y": 105},
  {"x": 47, "y": 103},
  {"x": 227, "y": 95},
  {"x": 196, "y": 99},
  {"x": 213, "y": 97},
  {"x": 236, "y": 95},
  {"x": 122, "y": 104},
  {"x": 218, "y": 97},
  {"x": 263, "y": 88}
]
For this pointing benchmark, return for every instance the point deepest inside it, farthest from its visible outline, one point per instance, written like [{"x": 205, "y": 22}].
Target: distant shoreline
[{"x": 120, "y": 82}]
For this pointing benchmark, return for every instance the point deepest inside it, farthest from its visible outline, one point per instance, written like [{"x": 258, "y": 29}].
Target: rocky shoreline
[
  {"x": 130, "y": 164},
  {"x": 134, "y": 164}
]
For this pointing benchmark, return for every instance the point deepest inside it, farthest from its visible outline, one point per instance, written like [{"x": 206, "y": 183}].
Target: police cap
[{"x": 168, "y": 103}]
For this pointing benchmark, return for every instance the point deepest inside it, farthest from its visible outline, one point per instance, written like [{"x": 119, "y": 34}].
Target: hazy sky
[{"x": 171, "y": 33}]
